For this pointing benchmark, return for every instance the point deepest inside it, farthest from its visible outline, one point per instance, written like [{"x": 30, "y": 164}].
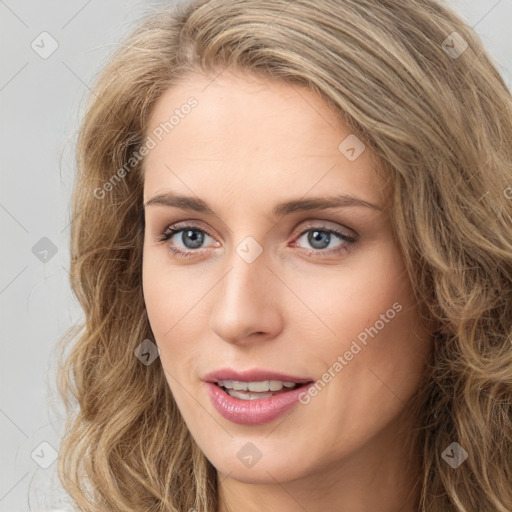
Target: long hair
[{"x": 415, "y": 83}]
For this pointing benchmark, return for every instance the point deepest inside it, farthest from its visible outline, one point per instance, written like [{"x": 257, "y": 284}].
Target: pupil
[
  {"x": 315, "y": 235},
  {"x": 196, "y": 240}
]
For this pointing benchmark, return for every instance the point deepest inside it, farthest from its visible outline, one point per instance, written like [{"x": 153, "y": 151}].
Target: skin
[{"x": 249, "y": 144}]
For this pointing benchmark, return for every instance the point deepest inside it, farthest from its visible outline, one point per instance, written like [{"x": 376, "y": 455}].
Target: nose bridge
[
  {"x": 248, "y": 268},
  {"x": 245, "y": 301},
  {"x": 244, "y": 284}
]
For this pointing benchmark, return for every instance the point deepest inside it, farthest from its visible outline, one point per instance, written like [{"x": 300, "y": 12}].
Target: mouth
[
  {"x": 255, "y": 402},
  {"x": 257, "y": 390},
  {"x": 255, "y": 396}
]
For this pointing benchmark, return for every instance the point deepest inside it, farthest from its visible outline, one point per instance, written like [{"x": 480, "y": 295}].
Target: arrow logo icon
[
  {"x": 351, "y": 147},
  {"x": 249, "y": 249},
  {"x": 146, "y": 352},
  {"x": 249, "y": 455},
  {"x": 454, "y": 455},
  {"x": 44, "y": 250},
  {"x": 44, "y": 455},
  {"x": 44, "y": 45},
  {"x": 454, "y": 45}
]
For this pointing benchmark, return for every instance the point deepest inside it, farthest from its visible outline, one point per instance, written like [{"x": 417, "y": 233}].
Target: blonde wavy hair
[{"x": 439, "y": 122}]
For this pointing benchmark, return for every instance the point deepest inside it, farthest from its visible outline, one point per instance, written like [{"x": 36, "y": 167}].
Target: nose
[{"x": 247, "y": 302}]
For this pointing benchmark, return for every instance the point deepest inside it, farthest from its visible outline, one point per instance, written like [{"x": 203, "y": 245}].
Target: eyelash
[{"x": 166, "y": 235}]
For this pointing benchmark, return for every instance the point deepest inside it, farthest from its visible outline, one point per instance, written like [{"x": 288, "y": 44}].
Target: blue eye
[
  {"x": 189, "y": 236},
  {"x": 320, "y": 237}
]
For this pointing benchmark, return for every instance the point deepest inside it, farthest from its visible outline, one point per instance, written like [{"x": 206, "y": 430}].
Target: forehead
[{"x": 263, "y": 136}]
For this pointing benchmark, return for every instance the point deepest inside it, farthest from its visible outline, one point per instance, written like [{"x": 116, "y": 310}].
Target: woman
[{"x": 292, "y": 243}]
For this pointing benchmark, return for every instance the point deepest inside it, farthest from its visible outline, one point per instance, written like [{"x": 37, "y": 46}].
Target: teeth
[
  {"x": 256, "y": 387},
  {"x": 244, "y": 395}
]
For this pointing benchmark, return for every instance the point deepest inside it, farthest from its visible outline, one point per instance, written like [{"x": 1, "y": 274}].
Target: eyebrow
[{"x": 279, "y": 210}]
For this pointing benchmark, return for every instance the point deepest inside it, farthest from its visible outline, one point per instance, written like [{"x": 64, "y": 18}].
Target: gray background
[{"x": 40, "y": 105}]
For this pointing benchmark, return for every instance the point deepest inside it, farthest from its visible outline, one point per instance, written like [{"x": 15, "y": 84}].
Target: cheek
[
  {"x": 350, "y": 298},
  {"x": 162, "y": 305},
  {"x": 166, "y": 293},
  {"x": 158, "y": 301},
  {"x": 176, "y": 309},
  {"x": 373, "y": 325}
]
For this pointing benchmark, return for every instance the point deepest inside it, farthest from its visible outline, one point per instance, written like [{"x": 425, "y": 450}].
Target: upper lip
[{"x": 255, "y": 375}]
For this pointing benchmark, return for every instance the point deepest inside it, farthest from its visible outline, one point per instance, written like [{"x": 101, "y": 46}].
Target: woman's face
[{"x": 275, "y": 275}]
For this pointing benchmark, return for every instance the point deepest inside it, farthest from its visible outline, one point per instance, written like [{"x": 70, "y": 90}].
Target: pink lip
[
  {"x": 255, "y": 375},
  {"x": 253, "y": 412}
]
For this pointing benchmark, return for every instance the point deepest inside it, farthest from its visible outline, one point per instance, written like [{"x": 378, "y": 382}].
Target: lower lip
[{"x": 253, "y": 412}]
